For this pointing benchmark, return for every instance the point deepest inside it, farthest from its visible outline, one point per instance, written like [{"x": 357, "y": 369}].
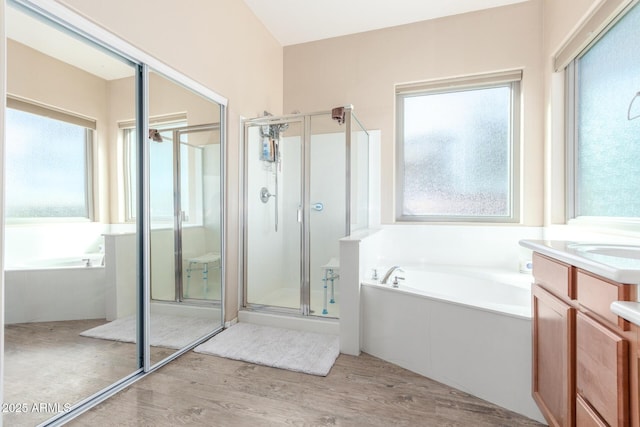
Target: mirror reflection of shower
[{"x": 271, "y": 158}]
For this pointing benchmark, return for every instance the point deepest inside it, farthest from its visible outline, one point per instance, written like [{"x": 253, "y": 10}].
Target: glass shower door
[{"x": 273, "y": 228}]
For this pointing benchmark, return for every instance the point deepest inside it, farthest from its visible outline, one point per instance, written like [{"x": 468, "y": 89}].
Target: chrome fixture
[
  {"x": 389, "y": 272},
  {"x": 87, "y": 262},
  {"x": 374, "y": 276},
  {"x": 395, "y": 281},
  {"x": 265, "y": 195}
]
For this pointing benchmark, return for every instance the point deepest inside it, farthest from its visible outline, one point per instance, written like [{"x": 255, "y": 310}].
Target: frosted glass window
[
  {"x": 46, "y": 167},
  {"x": 456, "y": 154},
  {"x": 607, "y": 146}
]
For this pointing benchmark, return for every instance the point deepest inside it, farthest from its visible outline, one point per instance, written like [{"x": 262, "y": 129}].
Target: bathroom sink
[{"x": 618, "y": 251}]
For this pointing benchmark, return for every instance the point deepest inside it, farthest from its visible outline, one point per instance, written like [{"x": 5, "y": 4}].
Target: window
[
  {"x": 457, "y": 149},
  {"x": 48, "y": 163},
  {"x": 604, "y": 145}
]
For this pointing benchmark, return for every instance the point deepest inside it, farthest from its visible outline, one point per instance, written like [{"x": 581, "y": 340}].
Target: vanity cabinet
[{"x": 585, "y": 358}]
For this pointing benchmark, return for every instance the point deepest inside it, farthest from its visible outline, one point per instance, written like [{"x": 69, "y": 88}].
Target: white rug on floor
[
  {"x": 307, "y": 352},
  {"x": 166, "y": 330}
]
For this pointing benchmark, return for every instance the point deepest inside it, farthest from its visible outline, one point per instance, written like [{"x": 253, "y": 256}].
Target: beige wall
[
  {"x": 223, "y": 46},
  {"x": 362, "y": 70}
]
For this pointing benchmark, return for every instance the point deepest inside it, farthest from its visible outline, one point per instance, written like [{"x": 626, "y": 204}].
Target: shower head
[{"x": 154, "y": 135}]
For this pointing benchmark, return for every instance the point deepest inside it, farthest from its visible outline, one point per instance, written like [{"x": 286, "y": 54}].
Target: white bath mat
[
  {"x": 166, "y": 330},
  {"x": 307, "y": 352}
]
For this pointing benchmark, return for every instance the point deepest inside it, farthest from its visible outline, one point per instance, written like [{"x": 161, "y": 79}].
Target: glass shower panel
[
  {"x": 359, "y": 176},
  {"x": 161, "y": 166},
  {"x": 273, "y": 214},
  {"x": 201, "y": 220},
  {"x": 327, "y": 212}
]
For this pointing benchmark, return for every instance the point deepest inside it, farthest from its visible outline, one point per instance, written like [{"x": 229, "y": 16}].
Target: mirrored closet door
[{"x": 113, "y": 189}]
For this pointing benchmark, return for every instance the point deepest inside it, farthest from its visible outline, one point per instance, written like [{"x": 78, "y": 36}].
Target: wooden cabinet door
[
  {"x": 586, "y": 416},
  {"x": 602, "y": 370},
  {"x": 553, "y": 358}
]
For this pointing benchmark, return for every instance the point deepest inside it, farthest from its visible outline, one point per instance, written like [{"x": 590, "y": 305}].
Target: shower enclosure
[{"x": 306, "y": 185}]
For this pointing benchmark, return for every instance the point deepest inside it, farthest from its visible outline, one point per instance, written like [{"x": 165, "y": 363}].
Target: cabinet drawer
[
  {"x": 602, "y": 377},
  {"x": 596, "y": 295},
  {"x": 553, "y": 275}
]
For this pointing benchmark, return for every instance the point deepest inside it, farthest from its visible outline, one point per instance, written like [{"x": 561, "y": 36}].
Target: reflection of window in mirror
[
  {"x": 160, "y": 151},
  {"x": 48, "y": 163}
]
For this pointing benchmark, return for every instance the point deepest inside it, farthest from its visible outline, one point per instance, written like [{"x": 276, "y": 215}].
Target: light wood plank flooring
[
  {"x": 202, "y": 390},
  {"x": 50, "y": 362}
]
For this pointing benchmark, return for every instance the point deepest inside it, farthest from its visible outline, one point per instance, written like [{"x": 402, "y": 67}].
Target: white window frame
[{"x": 510, "y": 78}]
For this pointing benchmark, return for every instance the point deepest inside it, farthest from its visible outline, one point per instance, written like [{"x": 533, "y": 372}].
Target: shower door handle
[{"x": 317, "y": 206}]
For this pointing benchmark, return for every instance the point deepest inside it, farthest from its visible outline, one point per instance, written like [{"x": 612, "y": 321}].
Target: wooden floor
[
  {"x": 202, "y": 390},
  {"x": 51, "y": 363},
  {"x": 48, "y": 366}
]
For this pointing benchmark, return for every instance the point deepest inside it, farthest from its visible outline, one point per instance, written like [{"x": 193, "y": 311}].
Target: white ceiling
[{"x": 300, "y": 21}]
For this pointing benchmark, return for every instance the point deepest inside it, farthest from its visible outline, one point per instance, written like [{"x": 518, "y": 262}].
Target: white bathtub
[
  {"x": 469, "y": 328},
  {"x": 55, "y": 289},
  {"x": 489, "y": 289}
]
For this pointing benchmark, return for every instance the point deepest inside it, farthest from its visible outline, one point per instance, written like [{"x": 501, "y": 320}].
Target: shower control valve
[{"x": 265, "y": 194}]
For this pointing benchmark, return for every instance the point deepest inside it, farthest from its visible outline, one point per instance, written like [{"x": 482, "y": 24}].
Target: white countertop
[
  {"x": 629, "y": 310},
  {"x": 622, "y": 270}
]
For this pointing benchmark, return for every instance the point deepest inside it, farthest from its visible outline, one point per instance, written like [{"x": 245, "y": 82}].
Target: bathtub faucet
[{"x": 389, "y": 272}]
